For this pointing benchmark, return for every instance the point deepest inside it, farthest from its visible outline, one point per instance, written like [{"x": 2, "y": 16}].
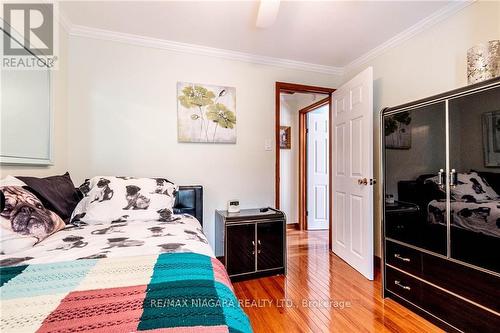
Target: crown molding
[
  {"x": 83, "y": 31},
  {"x": 424, "y": 24},
  {"x": 429, "y": 21},
  {"x": 63, "y": 20}
]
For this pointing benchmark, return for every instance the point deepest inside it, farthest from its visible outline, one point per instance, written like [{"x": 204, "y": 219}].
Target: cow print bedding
[
  {"x": 478, "y": 216},
  {"x": 180, "y": 233},
  {"x": 109, "y": 198}
]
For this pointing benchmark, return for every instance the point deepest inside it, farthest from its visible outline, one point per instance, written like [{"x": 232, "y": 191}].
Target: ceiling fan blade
[{"x": 268, "y": 11}]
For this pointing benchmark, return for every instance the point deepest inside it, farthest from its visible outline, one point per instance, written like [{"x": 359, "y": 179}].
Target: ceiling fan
[{"x": 268, "y": 11}]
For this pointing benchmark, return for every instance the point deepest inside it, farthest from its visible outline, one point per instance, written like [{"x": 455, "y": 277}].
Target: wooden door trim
[
  {"x": 330, "y": 176},
  {"x": 303, "y": 159}
]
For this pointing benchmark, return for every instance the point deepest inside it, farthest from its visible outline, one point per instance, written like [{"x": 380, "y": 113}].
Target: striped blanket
[{"x": 170, "y": 292}]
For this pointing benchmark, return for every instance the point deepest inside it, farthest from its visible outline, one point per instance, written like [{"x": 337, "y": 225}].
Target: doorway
[
  {"x": 350, "y": 167},
  {"x": 293, "y": 104},
  {"x": 316, "y": 175}
]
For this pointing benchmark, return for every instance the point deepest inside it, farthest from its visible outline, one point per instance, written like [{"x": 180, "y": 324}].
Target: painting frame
[
  {"x": 285, "y": 137},
  {"x": 491, "y": 139},
  {"x": 206, "y": 113},
  {"x": 397, "y": 129}
]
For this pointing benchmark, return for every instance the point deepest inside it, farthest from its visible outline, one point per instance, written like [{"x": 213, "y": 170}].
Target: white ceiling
[{"x": 324, "y": 33}]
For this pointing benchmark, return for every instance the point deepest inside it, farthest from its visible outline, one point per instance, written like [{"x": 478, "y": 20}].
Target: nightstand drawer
[{"x": 404, "y": 258}]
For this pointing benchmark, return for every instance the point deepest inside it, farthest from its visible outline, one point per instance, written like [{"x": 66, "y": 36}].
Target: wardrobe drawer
[
  {"x": 459, "y": 313},
  {"x": 404, "y": 258},
  {"x": 403, "y": 285},
  {"x": 480, "y": 287}
]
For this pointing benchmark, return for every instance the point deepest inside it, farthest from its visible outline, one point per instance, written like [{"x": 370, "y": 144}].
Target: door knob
[{"x": 362, "y": 181}]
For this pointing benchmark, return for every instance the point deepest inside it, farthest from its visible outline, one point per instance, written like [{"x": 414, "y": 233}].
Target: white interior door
[
  {"x": 352, "y": 168},
  {"x": 317, "y": 169}
]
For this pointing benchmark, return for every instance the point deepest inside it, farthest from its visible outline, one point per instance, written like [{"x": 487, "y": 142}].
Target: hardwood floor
[{"x": 319, "y": 278}]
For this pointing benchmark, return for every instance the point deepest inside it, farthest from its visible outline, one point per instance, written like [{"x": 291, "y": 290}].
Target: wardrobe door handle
[
  {"x": 398, "y": 283},
  {"x": 253, "y": 247},
  {"x": 398, "y": 256},
  {"x": 453, "y": 178},
  {"x": 441, "y": 178},
  {"x": 258, "y": 246}
]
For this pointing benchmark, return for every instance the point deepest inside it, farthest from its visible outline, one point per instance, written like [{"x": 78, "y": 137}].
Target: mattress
[{"x": 116, "y": 239}]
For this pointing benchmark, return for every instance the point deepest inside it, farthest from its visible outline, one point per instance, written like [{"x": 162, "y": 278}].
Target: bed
[{"x": 122, "y": 276}]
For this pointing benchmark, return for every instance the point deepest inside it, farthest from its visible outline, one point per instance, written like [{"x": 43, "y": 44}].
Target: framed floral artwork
[{"x": 206, "y": 113}]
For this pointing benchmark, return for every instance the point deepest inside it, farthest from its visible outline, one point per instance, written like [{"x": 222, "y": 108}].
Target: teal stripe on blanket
[
  {"x": 46, "y": 279},
  {"x": 234, "y": 318},
  {"x": 178, "y": 266},
  {"x": 8, "y": 273},
  {"x": 182, "y": 293}
]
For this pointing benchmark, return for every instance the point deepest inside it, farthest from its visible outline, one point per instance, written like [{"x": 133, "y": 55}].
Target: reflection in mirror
[
  {"x": 475, "y": 196},
  {"x": 415, "y": 151}
]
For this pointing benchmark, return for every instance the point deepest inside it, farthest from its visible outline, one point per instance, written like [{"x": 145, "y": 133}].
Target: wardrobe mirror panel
[
  {"x": 415, "y": 198},
  {"x": 475, "y": 185}
]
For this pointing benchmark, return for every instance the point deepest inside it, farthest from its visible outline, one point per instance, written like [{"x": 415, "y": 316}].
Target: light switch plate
[{"x": 267, "y": 145}]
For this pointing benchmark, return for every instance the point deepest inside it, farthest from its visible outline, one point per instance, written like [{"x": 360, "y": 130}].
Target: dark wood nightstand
[{"x": 253, "y": 242}]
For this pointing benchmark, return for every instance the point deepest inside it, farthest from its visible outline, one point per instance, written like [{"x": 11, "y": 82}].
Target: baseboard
[{"x": 292, "y": 226}]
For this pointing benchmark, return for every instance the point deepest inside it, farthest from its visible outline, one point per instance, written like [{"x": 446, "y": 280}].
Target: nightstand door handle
[
  {"x": 253, "y": 247},
  {"x": 259, "y": 245},
  {"x": 398, "y": 256},
  {"x": 399, "y": 284}
]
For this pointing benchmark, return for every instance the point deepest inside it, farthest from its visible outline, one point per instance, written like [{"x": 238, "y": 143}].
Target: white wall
[
  {"x": 123, "y": 120},
  {"x": 431, "y": 62},
  {"x": 289, "y": 162},
  {"x": 59, "y": 100}
]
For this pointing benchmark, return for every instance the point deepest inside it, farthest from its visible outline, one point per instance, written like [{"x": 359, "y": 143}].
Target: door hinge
[
  {"x": 307, "y": 130},
  {"x": 307, "y": 213}
]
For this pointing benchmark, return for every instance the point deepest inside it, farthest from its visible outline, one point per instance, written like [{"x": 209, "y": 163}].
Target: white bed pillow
[
  {"x": 110, "y": 199},
  {"x": 472, "y": 187},
  {"x": 11, "y": 181},
  {"x": 11, "y": 241}
]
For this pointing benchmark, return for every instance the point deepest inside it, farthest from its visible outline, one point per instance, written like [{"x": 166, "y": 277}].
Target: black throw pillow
[
  {"x": 2, "y": 201},
  {"x": 57, "y": 193}
]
